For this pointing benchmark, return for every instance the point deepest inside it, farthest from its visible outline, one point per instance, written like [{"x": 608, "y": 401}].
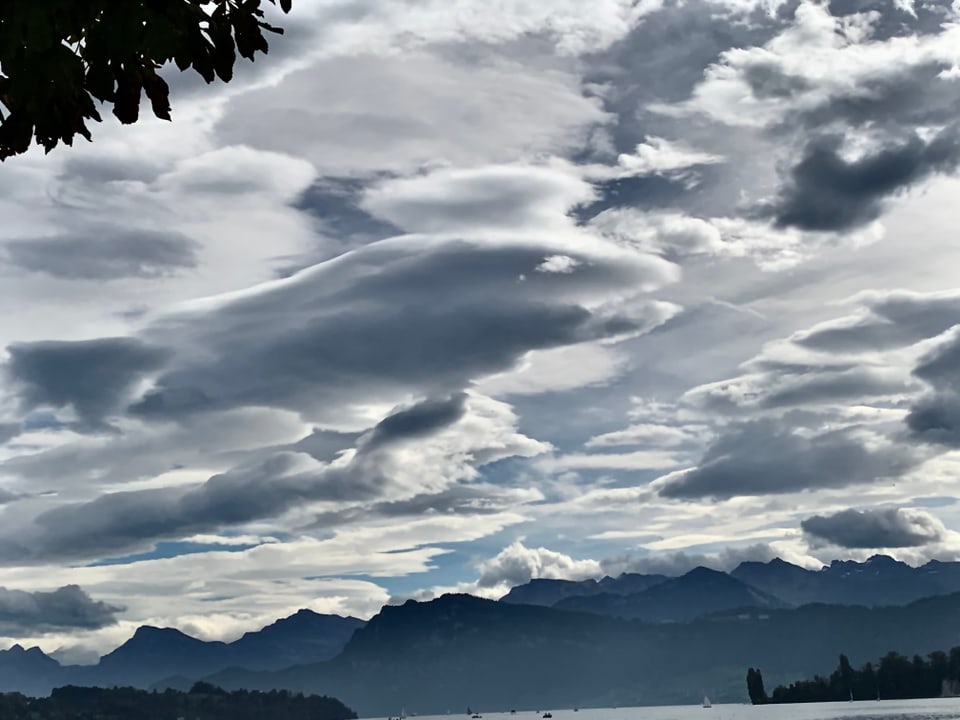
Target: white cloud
[
  {"x": 649, "y": 434},
  {"x": 517, "y": 564}
]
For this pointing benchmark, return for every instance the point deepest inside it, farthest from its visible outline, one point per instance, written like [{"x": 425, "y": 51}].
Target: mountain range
[
  {"x": 879, "y": 581},
  {"x": 635, "y": 639},
  {"x": 458, "y": 651},
  {"x": 156, "y": 653},
  {"x": 700, "y": 592}
]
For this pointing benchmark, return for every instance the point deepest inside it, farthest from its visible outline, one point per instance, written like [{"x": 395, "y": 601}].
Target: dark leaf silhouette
[{"x": 59, "y": 58}]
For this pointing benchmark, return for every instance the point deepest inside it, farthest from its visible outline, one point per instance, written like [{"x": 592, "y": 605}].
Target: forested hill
[{"x": 203, "y": 702}]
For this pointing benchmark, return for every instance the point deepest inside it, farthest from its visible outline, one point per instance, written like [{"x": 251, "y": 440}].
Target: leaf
[
  {"x": 159, "y": 93},
  {"x": 126, "y": 104}
]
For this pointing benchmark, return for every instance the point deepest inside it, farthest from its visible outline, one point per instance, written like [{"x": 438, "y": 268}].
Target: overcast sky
[{"x": 436, "y": 297}]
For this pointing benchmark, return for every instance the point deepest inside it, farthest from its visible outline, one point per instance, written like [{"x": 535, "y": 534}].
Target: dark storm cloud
[
  {"x": 761, "y": 458},
  {"x": 767, "y": 80},
  {"x": 779, "y": 385},
  {"x": 430, "y": 319},
  {"x": 122, "y": 522},
  {"x": 896, "y": 100},
  {"x": 8, "y": 431},
  {"x": 827, "y": 193},
  {"x": 652, "y": 192},
  {"x": 894, "y": 319},
  {"x": 935, "y": 417},
  {"x": 892, "y": 21},
  {"x": 109, "y": 255},
  {"x": 473, "y": 499},
  {"x": 879, "y": 528},
  {"x": 662, "y": 59},
  {"x": 93, "y": 377},
  {"x": 856, "y": 384},
  {"x": 335, "y": 204},
  {"x": 68, "y": 608},
  {"x": 419, "y": 420}
]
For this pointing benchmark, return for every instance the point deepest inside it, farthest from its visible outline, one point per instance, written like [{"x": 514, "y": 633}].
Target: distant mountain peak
[{"x": 702, "y": 571}]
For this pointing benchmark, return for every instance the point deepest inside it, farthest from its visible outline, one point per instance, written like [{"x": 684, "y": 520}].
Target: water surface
[{"x": 929, "y": 709}]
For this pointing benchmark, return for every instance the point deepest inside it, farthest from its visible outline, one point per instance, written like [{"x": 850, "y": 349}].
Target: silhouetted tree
[
  {"x": 60, "y": 58},
  {"x": 755, "y": 689},
  {"x": 896, "y": 677}
]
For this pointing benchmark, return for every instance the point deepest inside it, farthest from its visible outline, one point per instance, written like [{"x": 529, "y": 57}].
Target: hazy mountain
[
  {"x": 28, "y": 671},
  {"x": 154, "y": 654},
  {"x": 700, "y": 592},
  {"x": 547, "y": 592},
  {"x": 881, "y": 580},
  {"x": 291, "y": 640},
  {"x": 460, "y": 650}
]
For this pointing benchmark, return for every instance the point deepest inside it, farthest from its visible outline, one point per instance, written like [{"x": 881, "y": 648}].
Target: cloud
[
  {"x": 678, "y": 563},
  {"x": 858, "y": 110},
  {"x": 637, "y": 460},
  {"x": 685, "y": 239},
  {"x": 888, "y": 320},
  {"x": 517, "y": 564},
  {"x": 935, "y": 417},
  {"x": 659, "y": 156},
  {"x": 561, "y": 369},
  {"x": 69, "y": 607},
  {"x": 874, "y": 528},
  {"x": 105, "y": 255},
  {"x": 361, "y": 337},
  {"x": 786, "y": 385},
  {"x": 826, "y": 192},
  {"x": 90, "y": 377},
  {"x": 473, "y": 499},
  {"x": 767, "y": 458},
  {"x": 418, "y": 420},
  {"x": 645, "y": 434},
  {"x": 505, "y": 197},
  {"x": 822, "y": 68},
  {"x": 455, "y": 438},
  {"x": 434, "y": 109}
]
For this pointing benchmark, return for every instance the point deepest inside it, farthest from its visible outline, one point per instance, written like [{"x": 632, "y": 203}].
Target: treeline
[
  {"x": 203, "y": 702},
  {"x": 894, "y": 677}
]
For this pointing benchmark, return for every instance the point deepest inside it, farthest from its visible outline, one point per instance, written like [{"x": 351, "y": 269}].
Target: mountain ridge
[
  {"x": 455, "y": 650},
  {"x": 153, "y": 653}
]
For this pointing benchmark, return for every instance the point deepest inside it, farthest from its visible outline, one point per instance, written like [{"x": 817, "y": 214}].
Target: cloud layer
[{"x": 442, "y": 299}]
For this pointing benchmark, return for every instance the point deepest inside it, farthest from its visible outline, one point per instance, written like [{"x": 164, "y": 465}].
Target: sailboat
[{"x": 706, "y": 702}]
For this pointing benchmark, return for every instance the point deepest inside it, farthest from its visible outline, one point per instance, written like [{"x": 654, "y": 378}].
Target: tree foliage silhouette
[
  {"x": 59, "y": 59},
  {"x": 895, "y": 678}
]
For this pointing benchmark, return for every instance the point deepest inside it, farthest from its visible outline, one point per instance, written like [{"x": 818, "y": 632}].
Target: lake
[{"x": 930, "y": 709}]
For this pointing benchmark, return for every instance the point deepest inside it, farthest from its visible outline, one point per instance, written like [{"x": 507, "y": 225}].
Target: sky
[{"x": 445, "y": 295}]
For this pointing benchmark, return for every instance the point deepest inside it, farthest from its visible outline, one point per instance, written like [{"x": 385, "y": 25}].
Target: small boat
[
  {"x": 547, "y": 715},
  {"x": 706, "y": 702}
]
